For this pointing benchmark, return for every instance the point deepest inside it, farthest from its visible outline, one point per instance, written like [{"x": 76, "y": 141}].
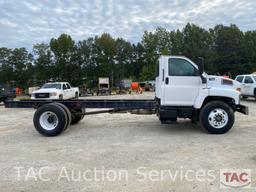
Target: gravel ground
[{"x": 122, "y": 152}]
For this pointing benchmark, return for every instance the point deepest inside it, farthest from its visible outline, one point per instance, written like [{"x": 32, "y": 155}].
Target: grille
[{"x": 42, "y": 95}]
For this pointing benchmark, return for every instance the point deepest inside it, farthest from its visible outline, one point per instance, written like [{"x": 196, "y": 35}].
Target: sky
[{"x": 27, "y": 22}]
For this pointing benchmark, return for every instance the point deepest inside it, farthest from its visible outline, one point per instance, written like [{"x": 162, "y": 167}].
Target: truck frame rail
[{"x": 128, "y": 104}]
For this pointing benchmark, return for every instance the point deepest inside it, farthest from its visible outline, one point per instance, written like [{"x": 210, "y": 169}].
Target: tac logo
[{"x": 235, "y": 178}]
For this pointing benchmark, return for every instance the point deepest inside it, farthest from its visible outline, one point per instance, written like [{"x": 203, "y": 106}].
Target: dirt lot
[{"x": 122, "y": 152}]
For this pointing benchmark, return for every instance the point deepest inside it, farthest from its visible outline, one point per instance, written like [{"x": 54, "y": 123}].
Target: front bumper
[
  {"x": 242, "y": 109},
  {"x": 48, "y": 98}
]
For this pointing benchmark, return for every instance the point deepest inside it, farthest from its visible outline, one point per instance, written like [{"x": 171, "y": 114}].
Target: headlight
[{"x": 53, "y": 94}]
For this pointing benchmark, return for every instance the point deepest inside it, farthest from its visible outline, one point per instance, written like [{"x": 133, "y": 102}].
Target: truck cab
[
  {"x": 183, "y": 90},
  {"x": 248, "y": 85}
]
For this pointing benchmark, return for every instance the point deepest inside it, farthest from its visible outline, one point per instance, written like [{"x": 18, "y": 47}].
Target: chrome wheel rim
[
  {"x": 48, "y": 120},
  {"x": 218, "y": 118}
]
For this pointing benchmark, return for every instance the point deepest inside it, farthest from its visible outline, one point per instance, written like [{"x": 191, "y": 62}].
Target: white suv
[{"x": 248, "y": 85}]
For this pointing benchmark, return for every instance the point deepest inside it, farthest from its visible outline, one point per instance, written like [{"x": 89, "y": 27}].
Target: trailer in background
[{"x": 104, "y": 86}]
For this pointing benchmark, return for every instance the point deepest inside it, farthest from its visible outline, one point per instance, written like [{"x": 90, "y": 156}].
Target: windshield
[
  {"x": 51, "y": 86},
  {"x": 254, "y": 77}
]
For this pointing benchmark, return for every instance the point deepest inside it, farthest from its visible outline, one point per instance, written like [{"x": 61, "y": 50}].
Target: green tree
[
  {"x": 123, "y": 59},
  {"x": 63, "y": 49},
  {"x": 106, "y": 51},
  {"x": 197, "y": 42},
  {"x": 21, "y": 62},
  {"x": 151, "y": 47},
  {"x": 228, "y": 44},
  {"x": 249, "y": 51},
  {"x": 43, "y": 64},
  {"x": 6, "y": 69}
]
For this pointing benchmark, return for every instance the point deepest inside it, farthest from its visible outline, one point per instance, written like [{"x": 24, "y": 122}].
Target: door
[
  {"x": 65, "y": 91},
  {"x": 240, "y": 79},
  {"x": 182, "y": 82},
  {"x": 248, "y": 86},
  {"x": 70, "y": 92}
]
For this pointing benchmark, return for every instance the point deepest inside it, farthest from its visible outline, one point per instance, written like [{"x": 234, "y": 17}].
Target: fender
[{"x": 216, "y": 92}]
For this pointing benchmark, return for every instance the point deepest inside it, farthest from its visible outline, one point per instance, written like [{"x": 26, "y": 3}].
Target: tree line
[{"x": 225, "y": 49}]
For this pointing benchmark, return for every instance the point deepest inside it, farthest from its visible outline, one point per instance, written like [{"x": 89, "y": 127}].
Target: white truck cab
[
  {"x": 183, "y": 90},
  {"x": 248, "y": 85}
]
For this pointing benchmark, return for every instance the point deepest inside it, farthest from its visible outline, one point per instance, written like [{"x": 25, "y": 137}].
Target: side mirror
[{"x": 200, "y": 65}]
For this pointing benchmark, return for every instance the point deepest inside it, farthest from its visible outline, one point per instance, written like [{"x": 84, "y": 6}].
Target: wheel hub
[
  {"x": 49, "y": 120},
  {"x": 218, "y": 118}
]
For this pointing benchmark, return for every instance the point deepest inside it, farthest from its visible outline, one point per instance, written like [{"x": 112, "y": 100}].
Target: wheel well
[
  {"x": 208, "y": 99},
  {"x": 227, "y": 100}
]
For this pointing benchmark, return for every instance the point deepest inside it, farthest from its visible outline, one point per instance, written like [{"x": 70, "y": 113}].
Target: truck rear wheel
[
  {"x": 69, "y": 118},
  {"x": 217, "y": 117},
  {"x": 50, "y": 120},
  {"x": 76, "y": 96}
]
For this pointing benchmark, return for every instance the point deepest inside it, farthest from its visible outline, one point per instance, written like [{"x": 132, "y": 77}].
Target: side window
[
  {"x": 64, "y": 87},
  {"x": 68, "y": 86},
  {"x": 240, "y": 79},
  {"x": 181, "y": 67},
  {"x": 248, "y": 80}
]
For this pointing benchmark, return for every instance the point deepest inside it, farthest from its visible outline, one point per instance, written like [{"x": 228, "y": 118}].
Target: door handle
[{"x": 166, "y": 80}]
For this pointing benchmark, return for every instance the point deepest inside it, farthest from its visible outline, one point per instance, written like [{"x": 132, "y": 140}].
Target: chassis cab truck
[{"x": 183, "y": 90}]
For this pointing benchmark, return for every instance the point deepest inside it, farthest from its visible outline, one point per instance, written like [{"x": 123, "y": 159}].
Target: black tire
[
  {"x": 244, "y": 97},
  {"x": 69, "y": 118},
  {"x": 221, "y": 110},
  {"x": 59, "y": 114},
  {"x": 77, "y": 116},
  {"x": 76, "y": 96}
]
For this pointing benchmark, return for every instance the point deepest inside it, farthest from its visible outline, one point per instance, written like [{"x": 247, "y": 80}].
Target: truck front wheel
[{"x": 217, "y": 117}]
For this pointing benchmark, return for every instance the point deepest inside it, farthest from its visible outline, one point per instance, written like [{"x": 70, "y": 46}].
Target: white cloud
[{"x": 23, "y": 23}]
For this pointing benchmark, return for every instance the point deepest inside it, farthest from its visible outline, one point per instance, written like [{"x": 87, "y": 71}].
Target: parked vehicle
[
  {"x": 124, "y": 86},
  {"x": 248, "y": 85},
  {"x": 148, "y": 85},
  {"x": 32, "y": 89},
  {"x": 6, "y": 93},
  {"x": 104, "y": 86},
  {"x": 183, "y": 90},
  {"x": 57, "y": 90}
]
